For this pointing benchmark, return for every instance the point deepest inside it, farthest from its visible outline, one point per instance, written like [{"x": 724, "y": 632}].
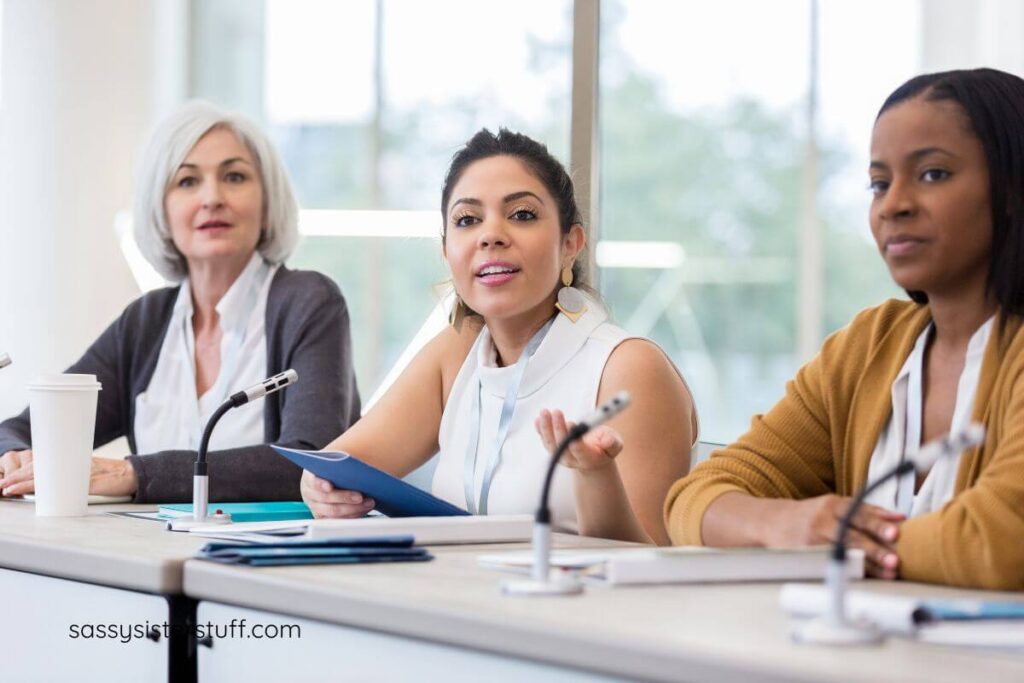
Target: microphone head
[
  {"x": 266, "y": 387},
  {"x": 971, "y": 435},
  {"x": 952, "y": 444},
  {"x": 607, "y": 410},
  {"x": 5, "y": 360}
]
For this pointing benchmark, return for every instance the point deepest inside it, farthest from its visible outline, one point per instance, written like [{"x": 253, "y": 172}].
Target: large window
[
  {"x": 367, "y": 101},
  {"x": 732, "y": 142},
  {"x": 718, "y": 139}
]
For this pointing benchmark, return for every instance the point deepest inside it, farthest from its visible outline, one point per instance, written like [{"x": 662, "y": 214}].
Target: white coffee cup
[{"x": 63, "y": 412}]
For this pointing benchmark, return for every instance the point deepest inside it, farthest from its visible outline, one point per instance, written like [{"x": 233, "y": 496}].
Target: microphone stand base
[
  {"x": 187, "y": 523},
  {"x": 824, "y": 631},
  {"x": 555, "y": 585}
]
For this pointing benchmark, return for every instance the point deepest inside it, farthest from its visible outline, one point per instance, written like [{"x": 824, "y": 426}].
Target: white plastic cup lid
[{"x": 66, "y": 382}]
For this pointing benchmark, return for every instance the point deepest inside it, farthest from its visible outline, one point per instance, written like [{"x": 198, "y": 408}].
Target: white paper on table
[
  {"x": 1003, "y": 634},
  {"x": 891, "y": 613}
]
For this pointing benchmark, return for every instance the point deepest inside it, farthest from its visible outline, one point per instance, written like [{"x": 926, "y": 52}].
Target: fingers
[
  {"x": 881, "y": 524},
  {"x": 883, "y": 513},
  {"x": 558, "y": 426},
  {"x": 880, "y": 560},
  {"x": 326, "y": 501},
  {"x": 340, "y": 511},
  {"x": 18, "y": 482},
  {"x": 575, "y": 453},
  {"x": 14, "y": 460},
  {"x": 546, "y": 430},
  {"x": 20, "y": 489},
  {"x": 552, "y": 427},
  {"x": 874, "y": 570},
  {"x": 604, "y": 439},
  {"x": 596, "y": 449}
]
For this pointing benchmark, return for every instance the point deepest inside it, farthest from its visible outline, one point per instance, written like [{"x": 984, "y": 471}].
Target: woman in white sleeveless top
[{"x": 525, "y": 350}]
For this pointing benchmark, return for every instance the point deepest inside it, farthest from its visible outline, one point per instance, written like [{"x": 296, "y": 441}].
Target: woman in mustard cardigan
[{"x": 947, "y": 177}]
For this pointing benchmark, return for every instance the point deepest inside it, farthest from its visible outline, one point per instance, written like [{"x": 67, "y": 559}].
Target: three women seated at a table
[{"x": 531, "y": 345}]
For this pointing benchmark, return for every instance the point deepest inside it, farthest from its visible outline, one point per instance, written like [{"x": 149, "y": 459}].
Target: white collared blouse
[
  {"x": 564, "y": 374},
  {"x": 168, "y": 414},
  {"x": 902, "y": 432}
]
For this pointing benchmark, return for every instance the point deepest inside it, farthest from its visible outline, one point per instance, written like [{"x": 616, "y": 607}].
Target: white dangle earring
[
  {"x": 571, "y": 301},
  {"x": 458, "y": 314}
]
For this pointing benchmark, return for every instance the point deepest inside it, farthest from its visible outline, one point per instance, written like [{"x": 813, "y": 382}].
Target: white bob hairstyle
[{"x": 169, "y": 145}]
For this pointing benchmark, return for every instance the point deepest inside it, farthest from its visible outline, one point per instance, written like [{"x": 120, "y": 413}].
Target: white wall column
[
  {"x": 964, "y": 34},
  {"x": 77, "y": 101}
]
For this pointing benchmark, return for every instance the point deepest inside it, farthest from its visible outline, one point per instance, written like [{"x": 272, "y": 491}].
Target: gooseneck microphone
[
  {"x": 5, "y": 360},
  {"x": 834, "y": 628},
  {"x": 540, "y": 582},
  {"x": 200, "y": 480}
]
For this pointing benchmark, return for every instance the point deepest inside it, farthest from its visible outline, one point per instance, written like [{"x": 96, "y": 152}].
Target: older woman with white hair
[{"x": 215, "y": 213}]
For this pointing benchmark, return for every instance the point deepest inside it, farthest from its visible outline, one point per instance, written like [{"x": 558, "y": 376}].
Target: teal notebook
[{"x": 245, "y": 512}]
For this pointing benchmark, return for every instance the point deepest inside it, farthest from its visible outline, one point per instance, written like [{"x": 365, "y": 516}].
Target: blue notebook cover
[
  {"x": 393, "y": 497},
  {"x": 334, "y": 551},
  {"x": 271, "y": 511}
]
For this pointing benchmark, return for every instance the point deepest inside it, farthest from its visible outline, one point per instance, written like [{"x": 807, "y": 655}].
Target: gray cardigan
[{"x": 307, "y": 329}]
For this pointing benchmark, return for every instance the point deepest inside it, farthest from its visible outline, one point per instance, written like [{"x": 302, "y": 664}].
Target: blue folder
[
  {"x": 393, "y": 497},
  {"x": 271, "y": 511},
  {"x": 329, "y": 551}
]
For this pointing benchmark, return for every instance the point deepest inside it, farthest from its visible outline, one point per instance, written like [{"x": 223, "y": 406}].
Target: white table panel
[
  {"x": 39, "y": 613},
  {"x": 318, "y": 652}
]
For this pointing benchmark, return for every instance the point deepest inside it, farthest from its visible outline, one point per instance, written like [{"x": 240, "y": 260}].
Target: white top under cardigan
[
  {"x": 168, "y": 416},
  {"x": 903, "y": 431},
  {"x": 564, "y": 374}
]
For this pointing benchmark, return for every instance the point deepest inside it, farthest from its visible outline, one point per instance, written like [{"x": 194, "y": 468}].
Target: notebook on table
[
  {"x": 393, "y": 497},
  {"x": 270, "y": 511},
  {"x": 304, "y": 552},
  {"x": 453, "y": 530}
]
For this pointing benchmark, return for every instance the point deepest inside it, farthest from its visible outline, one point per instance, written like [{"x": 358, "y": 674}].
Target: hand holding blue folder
[{"x": 393, "y": 497}]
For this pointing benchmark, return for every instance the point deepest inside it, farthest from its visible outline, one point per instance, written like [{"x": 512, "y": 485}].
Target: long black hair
[{"x": 993, "y": 102}]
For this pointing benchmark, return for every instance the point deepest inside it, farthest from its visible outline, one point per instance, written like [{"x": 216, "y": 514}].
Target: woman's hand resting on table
[
  {"x": 737, "y": 519},
  {"x": 109, "y": 476}
]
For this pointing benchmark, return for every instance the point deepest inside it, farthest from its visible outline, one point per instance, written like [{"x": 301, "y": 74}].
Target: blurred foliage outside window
[{"x": 724, "y": 180}]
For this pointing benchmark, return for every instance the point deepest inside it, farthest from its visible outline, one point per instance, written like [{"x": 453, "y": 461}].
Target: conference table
[{"x": 446, "y": 619}]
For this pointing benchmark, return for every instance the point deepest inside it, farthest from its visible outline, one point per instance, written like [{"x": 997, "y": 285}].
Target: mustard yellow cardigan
[{"x": 819, "y": 437}]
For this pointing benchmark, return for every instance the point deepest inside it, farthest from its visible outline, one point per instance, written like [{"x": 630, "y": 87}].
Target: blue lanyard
[{"x": 505, "y": 421}]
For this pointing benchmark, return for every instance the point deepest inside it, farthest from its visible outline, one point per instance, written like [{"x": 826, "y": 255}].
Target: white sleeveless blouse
[{"x": 563, "y": 374}]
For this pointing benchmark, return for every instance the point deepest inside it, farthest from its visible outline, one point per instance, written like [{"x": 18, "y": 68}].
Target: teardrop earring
[
  {"x": 458, "y": 314},
  {"x": 571, "y": 301}
]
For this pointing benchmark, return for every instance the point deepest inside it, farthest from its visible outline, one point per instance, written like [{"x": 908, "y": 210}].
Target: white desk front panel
[
  {"x": 317, "y": 652},
  {"x": 41, "y": 614}
]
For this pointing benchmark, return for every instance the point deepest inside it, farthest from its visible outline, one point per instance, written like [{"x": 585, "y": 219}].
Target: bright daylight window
[
  {"x": 367, "y": 102},
  {"x": 703, "y": 143}
]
